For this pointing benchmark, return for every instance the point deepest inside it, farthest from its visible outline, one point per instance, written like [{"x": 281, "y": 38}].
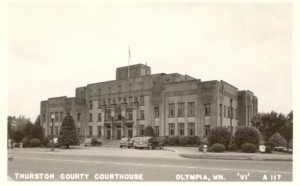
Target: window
[
  {"x": 56, "y": 130},
  {"x": 91, "y": 105},
  {"x": 109, "y": 103},
  {"x": 228, "y": 110},
  {"x": 171, "y": 129},
  {"x": 130, "y": 101},
  {"x": 142, "y": 128},
  {"x": 207, "y": 109},
  {"x": 224, "y": 111},
  {"x": 99, "y": 130},
  {"x": 118, "y": 115},
  {"x": 129, "y": 115},
  {"x": 56, "y": 116},
  {"x": 191, "y": 109},
  {"x": 181, "y": 129},
  {"x": 156, "y": 112},
  {"x": 221, "y": 109},
  {"x": 119, "y": 100},
  {"x": 107, "y": 116},
  {"x": 232, "y": 113},
  {"x": 61, "y": 116},
  {"x": 171, "y": 110},
  {"x": 191, "y": 129},
  {"x": 156, "y": 130},
  {"x": 180, "y": 109},
  {"x": 44, "y": 118},
  {"x": 90, "y": 130},
  {"x": 207, "y": 129},
  {"x": 236, "y": 114},
  {"x": 142, "y": 101},
  {"x": 142, "y": 115},
  {"x": 78, "y": 116},
  {"x": 99, "y": 104},
  {"x": 91, "y": 118},
  {"x": 99, "y": 116},
  {"x": 78, "y": 131}
]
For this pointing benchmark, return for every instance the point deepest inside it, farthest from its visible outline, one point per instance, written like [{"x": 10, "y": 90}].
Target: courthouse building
[{"x": 173, "y": 104}]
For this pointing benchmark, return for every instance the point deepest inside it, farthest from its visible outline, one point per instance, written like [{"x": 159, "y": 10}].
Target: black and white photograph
[{"x": 160, "y": 91}]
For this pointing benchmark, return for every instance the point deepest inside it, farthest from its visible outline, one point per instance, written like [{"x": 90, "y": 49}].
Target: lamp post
[{"x": 52, "y": 120}]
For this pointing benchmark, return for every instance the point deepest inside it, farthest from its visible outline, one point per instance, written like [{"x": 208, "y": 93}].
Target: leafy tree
[
  {"x": 37, "y": 130},
  {"x": 268, "y": 123},
  {"x": 286, "y": 130},
  {"x": 18, "y": 136},
  {"x": 68, "y": 133},
  {"x": 26, "y": 130},
  {"x": 149, "y": 131}
]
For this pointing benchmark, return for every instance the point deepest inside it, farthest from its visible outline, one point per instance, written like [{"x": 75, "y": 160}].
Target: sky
[{"x": 56, "y": 47}]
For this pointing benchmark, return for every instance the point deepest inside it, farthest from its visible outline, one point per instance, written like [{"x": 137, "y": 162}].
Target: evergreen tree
[
  {"x": 36, "y": 130},
  {"x": 287, "y": 130},
  {"x": 149, "y": 131},
  {"x": 18, "y": 136},
  {"x": 68, "y": 133}
]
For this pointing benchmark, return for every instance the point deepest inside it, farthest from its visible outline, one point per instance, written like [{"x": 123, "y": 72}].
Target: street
[{"x": 114, "y": 164}]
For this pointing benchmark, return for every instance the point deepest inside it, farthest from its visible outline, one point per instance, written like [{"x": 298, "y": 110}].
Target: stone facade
[{"x": 173, "y": 104}]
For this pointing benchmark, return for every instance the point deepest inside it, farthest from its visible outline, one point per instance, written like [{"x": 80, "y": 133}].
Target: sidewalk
[{"x": 192, "y": 152}]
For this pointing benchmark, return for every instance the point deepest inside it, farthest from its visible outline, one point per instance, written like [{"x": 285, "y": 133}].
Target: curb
[{"x": 231, "y": 158}]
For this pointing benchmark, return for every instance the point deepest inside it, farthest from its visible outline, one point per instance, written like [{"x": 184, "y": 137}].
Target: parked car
[
  {"x": 92, "y": 142},
  {"x": 123, "y": 142},
  {"x": 96, "y": 142},
  {"x": 130, "y": 143},
  {"x": 136, "y": 139},
  {"x": 147, "y": 142},
  {"x": 282, "y": 149}
]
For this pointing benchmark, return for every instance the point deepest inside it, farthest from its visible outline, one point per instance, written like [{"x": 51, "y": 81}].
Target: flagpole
[{"x": 129, "y": 55}]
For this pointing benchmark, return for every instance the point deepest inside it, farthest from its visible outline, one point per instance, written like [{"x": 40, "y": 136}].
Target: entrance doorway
[
  {"x": 129, "y": 133},
  {"x": 119, "y": 134},
  {"x": 108, "y": 133}
]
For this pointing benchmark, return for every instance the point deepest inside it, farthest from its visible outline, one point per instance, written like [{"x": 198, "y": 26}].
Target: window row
[
  {"x": 58, "y": 116},
  {"x": 228, "y": 112},
  {"x": 118, "y": 116},
  {"x": 109, "y": 102},
  {"x": 181, "y": 129},
  {"x": 181, "y": 109}
]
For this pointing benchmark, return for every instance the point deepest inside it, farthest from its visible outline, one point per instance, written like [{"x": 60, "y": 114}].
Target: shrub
[
  {"x": 173, "y": 140},
  {"x": 219, "y": 135},
  {"x": 162, "y": 139},
  {"x": 183, "y": 140},
  {"x": 270, "y": 144},
  {"x": 193, "y": 140},
  {"x": 16, "y": 144},
  {"x": 201, "y": 147},
  {"x": 26, "y": 141},
  {"x": 246, "y": 135},
  {"x": 268, "y": 149},
  {"x": 46, "y": 141},
  {"x": 232, "y": 147},
  {"x": 203, "y": 141},
  {"x": 68, "y": 133},
  {"x": 35, "y": 142},
  {"x": 217, "y": 147},
  {"x": 248, "y": 147}
]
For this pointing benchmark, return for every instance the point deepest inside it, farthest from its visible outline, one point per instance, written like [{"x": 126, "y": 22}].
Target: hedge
[
  {"x": 248, "y": 147},
  {"x": 35, "y": 142},
  {"x": 173, "y": 140},
  {"x": 217, "y": 147},
  {"x": 184, "y": 140},
  {"x": 26, "y": 141}
]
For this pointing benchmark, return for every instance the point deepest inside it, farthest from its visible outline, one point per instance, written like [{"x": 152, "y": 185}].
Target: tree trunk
[{"x": 67, "y": 146}]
